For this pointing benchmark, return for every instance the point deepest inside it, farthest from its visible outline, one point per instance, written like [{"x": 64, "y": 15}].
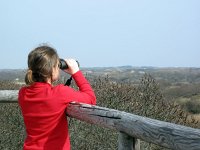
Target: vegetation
[{"x": 148, "y": 95}]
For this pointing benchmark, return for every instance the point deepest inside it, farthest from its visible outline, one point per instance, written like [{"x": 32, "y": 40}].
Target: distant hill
[
  {"x": 12, "y": 74},
  {"x": 124, "y": 73},
  {"x": 133, "y": 74}
]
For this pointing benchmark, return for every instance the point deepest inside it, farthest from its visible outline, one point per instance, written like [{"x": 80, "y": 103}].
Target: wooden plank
[
  {"x": 153, "y": 131},
  {"x": 8, "y": 96},
  {"x": 165, "y": 134},
  {"x": 126, "y": 142}
]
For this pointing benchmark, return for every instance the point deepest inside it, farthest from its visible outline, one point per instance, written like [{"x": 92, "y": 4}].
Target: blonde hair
[{"x": 41, "y": 61}]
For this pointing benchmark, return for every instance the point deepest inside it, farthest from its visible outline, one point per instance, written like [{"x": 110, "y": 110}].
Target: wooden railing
[{"x": 131, "y": 127}]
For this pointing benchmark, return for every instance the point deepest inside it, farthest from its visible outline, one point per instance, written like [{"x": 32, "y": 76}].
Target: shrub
[
  {"x": 144, "y": 99},
  {"x": 12, "y": 128},
  {"x": 193, "y": 106}
]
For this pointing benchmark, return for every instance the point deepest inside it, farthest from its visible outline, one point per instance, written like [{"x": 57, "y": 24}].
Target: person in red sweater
[{"x": 43, "y": 105}]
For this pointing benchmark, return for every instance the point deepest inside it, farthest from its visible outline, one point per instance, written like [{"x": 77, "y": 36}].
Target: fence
[{"x": 131, "y": 127}]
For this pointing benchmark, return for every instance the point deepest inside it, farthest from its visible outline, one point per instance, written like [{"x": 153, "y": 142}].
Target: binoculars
[{"x": 63, "y": 65}]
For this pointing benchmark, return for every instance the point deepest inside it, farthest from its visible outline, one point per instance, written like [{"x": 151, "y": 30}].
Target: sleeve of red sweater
[{"x": 85, "y": 94}]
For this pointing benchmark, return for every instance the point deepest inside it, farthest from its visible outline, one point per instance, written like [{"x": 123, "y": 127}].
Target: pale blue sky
[{"x": 103, "y": 33}]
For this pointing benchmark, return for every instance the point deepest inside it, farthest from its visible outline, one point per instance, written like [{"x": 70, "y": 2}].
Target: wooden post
[
  {"x": 165, "y": 134},
  {"x": 161, "y": 133},
  {"x": 126, "y": 142},
  {"x": 137, "y": 144}
]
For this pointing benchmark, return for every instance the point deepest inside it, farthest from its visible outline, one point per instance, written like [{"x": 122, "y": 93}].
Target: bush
[
  {"x": 9, "y": 85},
  {"x": 193, "y": 106},
  {"x": 144, "y": 99},
  {"x": 12, "y": 131}
]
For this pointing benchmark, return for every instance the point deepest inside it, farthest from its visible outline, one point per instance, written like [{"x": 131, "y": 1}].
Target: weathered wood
[
  {"x": 126, "y": 142},
  {"x": 136, "y": 143},
  {"x": 8, "y": 96},
  {"x": 153, "y": 131},
  {"x": 165, "y": 134}
]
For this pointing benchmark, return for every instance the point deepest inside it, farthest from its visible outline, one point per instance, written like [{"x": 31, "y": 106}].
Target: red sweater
[{"x": 43, "y": 109}]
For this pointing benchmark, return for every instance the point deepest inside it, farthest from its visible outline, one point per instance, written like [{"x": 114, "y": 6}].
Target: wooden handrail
[
  {"x": 8, "y": 96},
  {"x": 161, "y": 133}
]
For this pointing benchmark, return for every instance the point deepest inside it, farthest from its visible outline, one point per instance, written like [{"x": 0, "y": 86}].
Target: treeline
[{"x": 145, "y": 98}]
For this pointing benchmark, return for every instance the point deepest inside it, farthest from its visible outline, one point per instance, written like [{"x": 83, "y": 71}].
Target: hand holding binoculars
[{"x": 63, "y": 65}]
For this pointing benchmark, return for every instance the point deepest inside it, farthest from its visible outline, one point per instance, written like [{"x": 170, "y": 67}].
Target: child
[{"x": 44, "y": 106}]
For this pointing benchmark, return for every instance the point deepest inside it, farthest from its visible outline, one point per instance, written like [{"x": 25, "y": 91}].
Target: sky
[{"x": 102, "y": 33}]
